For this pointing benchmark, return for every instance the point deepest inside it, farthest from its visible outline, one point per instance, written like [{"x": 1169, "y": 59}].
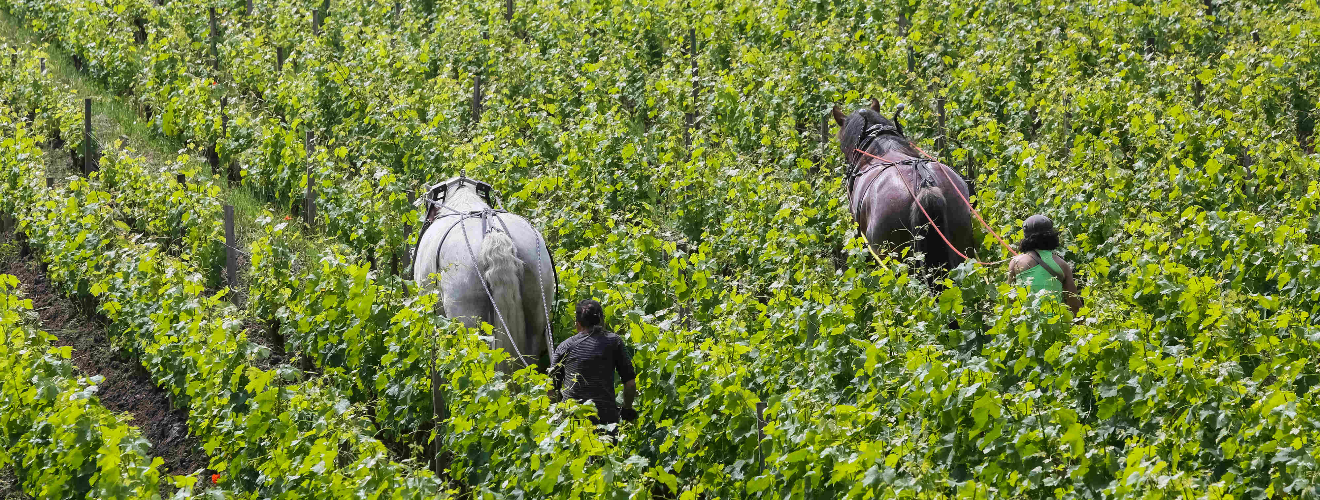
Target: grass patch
[
  {"x": 112, "y": 117},
  {"x": 115, "y": 118}
]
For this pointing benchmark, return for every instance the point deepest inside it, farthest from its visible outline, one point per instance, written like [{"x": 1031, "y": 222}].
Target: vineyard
[{"x": 680, "y": 160}]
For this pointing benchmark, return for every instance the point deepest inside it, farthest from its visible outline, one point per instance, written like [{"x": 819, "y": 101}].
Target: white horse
[{"x": 489, "y": 266}]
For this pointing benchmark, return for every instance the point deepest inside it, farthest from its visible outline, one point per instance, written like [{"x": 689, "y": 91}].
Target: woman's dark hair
[
  {"x": 590, "y": 315},
  {"x": 1038, "y": 234},
  {"x": 1048, "y": 240}
]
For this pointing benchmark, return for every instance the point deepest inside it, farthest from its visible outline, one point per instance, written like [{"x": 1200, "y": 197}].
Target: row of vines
[
  {"x": 692, "y": 185},
  {"x": 60, "y": 439},
  {"x": 135, "y": 246}
]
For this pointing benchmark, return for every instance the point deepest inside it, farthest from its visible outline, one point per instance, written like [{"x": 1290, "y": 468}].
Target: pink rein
[{"x": 961, "y": 196}]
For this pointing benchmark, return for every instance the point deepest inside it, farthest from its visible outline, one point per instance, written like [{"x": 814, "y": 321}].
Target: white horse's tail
[{"x": 503, "y": 272}]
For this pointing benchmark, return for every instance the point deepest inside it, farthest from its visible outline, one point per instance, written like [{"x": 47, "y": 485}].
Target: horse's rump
[
  {"x": 887, "y": 203},
  {"x": 489, "y": 266}
]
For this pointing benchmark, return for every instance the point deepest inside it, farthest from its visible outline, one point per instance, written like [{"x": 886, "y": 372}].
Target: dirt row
[{"x": 127, "y": 387}]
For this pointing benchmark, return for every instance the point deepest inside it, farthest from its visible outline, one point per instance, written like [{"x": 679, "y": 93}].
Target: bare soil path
[{"x": 126, "y": 388}]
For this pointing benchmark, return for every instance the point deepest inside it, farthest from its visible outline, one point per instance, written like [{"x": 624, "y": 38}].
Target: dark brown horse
[{"x": 883, "y": 193}]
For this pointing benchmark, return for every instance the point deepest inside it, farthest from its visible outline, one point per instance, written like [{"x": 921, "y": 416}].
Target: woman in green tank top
[{"x": 1038, "y": 268}]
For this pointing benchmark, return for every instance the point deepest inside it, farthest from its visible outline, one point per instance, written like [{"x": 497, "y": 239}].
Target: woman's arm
[
  {"x": 1015, "y": 267},
  {"x": 1071, "y": 295}
]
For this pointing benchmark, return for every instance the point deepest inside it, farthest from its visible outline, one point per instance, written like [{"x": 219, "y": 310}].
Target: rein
[
  {"x": 486, "y": 214},
  {"x": 855, "y": 171}
]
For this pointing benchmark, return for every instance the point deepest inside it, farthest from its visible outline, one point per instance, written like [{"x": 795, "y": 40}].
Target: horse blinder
[{"x": 437, "y": 193}]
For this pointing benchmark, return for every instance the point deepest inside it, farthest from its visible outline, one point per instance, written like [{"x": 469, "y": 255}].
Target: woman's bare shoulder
[
  {"x": 1063, "y": 263},
  {"x": 1021, "y": 262}
]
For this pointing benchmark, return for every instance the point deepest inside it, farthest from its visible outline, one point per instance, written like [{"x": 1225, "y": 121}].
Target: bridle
[{"x": 874, "y": 131}]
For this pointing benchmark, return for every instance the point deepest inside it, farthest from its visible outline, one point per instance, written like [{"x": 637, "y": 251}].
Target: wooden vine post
[
  {"x": 1067, "y": 127},
  {"x": 477, "y": 96},
  {"x": 760, "y": 434},
  {"x": 691, "y": 117},
  {"x": 824, "y": 140},
  {"x": 231, "y": 250},
  {"x": 87, "y": 136},
  {"x": 904, "y": 26},
  {"x": 309, "y": 199},
  {"x": 279, "y": 60},
  {"x": 215, "y": 36},
  {"x": 50, "y": 182},
  {"x": 401, "y": 260},
  {"x": 43, "y": 66},
  {"x": 316, "y": 22},
  {"x": 234, "y": 174},
  {"x": 1305, "y": 131},
  {"x": 248, "y": 12},
  {"x": 439, "y": 416},
  {"x": 1030, "y": 85},
  {"x": 224, "y": 130},
  {"x": 941, "y": 140},
  {"x": 508, "y": 10},
  {"x": 318, "y": 17}
]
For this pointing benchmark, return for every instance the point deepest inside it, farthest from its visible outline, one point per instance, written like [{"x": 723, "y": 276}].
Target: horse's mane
[
  {"x": 851, "y": 133},
  {"x": 465, "y": 195}
]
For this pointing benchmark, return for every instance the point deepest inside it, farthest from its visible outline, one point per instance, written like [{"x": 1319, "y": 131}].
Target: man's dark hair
[{"x": 590, "y": 315}]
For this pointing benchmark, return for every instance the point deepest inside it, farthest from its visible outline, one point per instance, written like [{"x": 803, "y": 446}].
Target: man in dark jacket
[{"x": 586, "y": 363}]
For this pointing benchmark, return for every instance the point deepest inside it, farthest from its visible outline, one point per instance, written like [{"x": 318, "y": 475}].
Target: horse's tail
[
  {"x": 928, "y": 242},
  {"x": 503, "y": 271}
]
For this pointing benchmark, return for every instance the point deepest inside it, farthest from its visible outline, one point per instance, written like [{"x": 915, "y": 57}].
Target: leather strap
[{"x": 1036, "y": 257}]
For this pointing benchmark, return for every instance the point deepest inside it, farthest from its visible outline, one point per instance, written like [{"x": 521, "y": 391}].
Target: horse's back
[
  {"x": 883, "y": 205},
  {"x": 450, "y": 247}
]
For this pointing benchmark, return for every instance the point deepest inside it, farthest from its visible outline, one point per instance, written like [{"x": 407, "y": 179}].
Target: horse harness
[
  {"x": 869, "y": 135},
  {"x": 434, "y": 203},
  {"x": 919, "y": 165}
]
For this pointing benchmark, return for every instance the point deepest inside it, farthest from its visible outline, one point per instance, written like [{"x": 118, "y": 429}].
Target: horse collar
[{"x": 874, "y": 131}]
